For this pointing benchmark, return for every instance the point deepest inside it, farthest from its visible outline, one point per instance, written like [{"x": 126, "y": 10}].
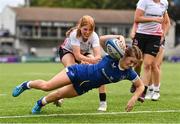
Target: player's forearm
[
  {"x": 138, "y": 92},
  {"x": 97, "y": 52},
  {"x": 134, "y": 98},
  {"x": 81, "y": 57},
  {"x": 165, "y": 28}
]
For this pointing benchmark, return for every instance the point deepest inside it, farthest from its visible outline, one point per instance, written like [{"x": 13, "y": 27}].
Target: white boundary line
[
  {"x": 3, "y": 94},
  {"x": 79, "y": 114}
]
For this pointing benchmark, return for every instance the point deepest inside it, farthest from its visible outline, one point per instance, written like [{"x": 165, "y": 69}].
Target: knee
[
  {"x": 155, "y": 66},
  {"x": 147, "y": 66},
  {"x": 46, "y": 87},
  {"x": 59, "y": 95},
  {"x": 158, "y": 65}
]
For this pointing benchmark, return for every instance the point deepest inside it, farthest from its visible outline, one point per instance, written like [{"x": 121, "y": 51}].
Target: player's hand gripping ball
[{"x": 115, "y": 48}]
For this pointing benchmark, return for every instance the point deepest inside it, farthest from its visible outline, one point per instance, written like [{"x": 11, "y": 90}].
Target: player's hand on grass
[{"x": 130, "y": 104}]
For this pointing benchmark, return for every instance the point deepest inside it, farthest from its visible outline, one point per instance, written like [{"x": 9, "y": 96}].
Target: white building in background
[{"x": 44, "y": 28}]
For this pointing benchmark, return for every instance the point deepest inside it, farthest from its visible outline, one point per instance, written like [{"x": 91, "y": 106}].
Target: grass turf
[{"x": 83, "y": 109}]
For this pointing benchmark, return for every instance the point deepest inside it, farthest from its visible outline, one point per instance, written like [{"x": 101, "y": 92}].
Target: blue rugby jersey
[{"x": 85, "y": 77}]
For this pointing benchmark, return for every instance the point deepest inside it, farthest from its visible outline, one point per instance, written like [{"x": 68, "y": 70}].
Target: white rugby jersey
[
  {"x": 85, "y": 47},
  {"x": 151, "y": 9}
]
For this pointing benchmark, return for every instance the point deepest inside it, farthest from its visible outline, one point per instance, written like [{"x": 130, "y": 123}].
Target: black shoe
[
  {"x": 133, "y": 88},
  {"x": 141, "y": 98}
]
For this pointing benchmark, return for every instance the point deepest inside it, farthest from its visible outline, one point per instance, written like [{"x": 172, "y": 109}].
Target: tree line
[
  {"x": 94, "y": 4},
  {"x": 103, "y": 4}
]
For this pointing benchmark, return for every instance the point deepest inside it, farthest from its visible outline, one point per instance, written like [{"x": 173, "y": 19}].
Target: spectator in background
[
  {"x": 148, "y": 31},
  {"x": 153, "y": 91},
  {"x": 33, "y": 51}
]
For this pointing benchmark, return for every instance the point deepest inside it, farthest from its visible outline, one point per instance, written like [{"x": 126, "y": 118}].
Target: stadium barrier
[
  {"x": 173, "y": 59},
  {"x": 37, "y": 59},
  {"x": 14, "y": 59},
  {"x": 9, "y": 59},
  {"x": 24, "y": 59}
]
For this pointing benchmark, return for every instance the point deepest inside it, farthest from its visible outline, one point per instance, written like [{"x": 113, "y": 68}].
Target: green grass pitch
[{"x": 83, "y": 109}]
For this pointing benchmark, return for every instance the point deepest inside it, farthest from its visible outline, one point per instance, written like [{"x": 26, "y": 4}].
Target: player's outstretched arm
[{"x": 139, "y": 90}]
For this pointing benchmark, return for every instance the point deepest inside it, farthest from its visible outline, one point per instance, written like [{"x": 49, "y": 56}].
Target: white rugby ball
[{"x": 114, "y": 48}]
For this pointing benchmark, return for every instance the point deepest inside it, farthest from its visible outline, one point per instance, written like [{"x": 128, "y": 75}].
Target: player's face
[
  {"x": 129, "y": 62},
  {"x": 86, "y": 31}
]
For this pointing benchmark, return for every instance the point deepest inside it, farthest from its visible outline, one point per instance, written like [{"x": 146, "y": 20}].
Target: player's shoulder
[
  {"x": 144, "y": 1},
  {"x": 165, "y": 2},
  {"x": 73, "y": 33},
  {"x": 94, "y": 35}
]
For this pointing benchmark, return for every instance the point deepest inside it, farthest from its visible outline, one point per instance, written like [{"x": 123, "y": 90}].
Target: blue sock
[
  {"x": 24, "y": 85},
  {"x": 39, "y": 102}
]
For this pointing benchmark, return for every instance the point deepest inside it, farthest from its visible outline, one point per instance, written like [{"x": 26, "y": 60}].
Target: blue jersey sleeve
[{"x": 132, "y": 75}]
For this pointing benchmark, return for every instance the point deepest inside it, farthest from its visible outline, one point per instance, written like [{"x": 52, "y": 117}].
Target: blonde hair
[
  {"x": 134, "y": 51},
  {"x": 83, "y": 21}
]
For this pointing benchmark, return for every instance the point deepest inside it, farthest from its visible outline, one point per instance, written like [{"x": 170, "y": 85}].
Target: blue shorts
[{"x": 82, "y": 84}]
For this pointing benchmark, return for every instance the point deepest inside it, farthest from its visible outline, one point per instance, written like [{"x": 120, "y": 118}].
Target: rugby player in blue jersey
[{"x": 78, "y": 79}]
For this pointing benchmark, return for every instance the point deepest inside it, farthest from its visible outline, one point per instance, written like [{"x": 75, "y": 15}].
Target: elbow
[
  {"x": 102, "y": 39},
  {"x": 141, "y": 88},
  {"x": 136, "y": 19}
]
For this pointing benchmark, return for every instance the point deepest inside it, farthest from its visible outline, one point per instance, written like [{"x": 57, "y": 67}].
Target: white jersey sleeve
[
  {"x": 95, "y": 40},
  {"x": 141, "y": 4},
  {"x": 166, "y": 3},
  {"x": 151, "y": 9},
  {"x": 73, "y": 39}
]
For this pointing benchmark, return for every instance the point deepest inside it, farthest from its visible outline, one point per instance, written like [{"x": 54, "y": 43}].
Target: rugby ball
[{"x": 114, "y": 48}]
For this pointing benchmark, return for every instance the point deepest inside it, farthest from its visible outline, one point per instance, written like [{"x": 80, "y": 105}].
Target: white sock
[
  {"x": 28, "y": 85},
  {"x": 151, "y": 86},
  {"x": 44, "y": 102},
  {"x": 103, "y": 102},
  {"x": 156, "y": 88}
]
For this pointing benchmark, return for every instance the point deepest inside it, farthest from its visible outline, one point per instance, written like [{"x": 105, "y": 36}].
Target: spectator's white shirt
[{"x": 151, "y": 9}]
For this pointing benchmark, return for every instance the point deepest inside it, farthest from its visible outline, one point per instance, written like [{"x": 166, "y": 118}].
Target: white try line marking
[
  {"x": 100, "y": 113},
  {"x": 30, "y": 74},
  {"x": 3, "y": 94}
]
